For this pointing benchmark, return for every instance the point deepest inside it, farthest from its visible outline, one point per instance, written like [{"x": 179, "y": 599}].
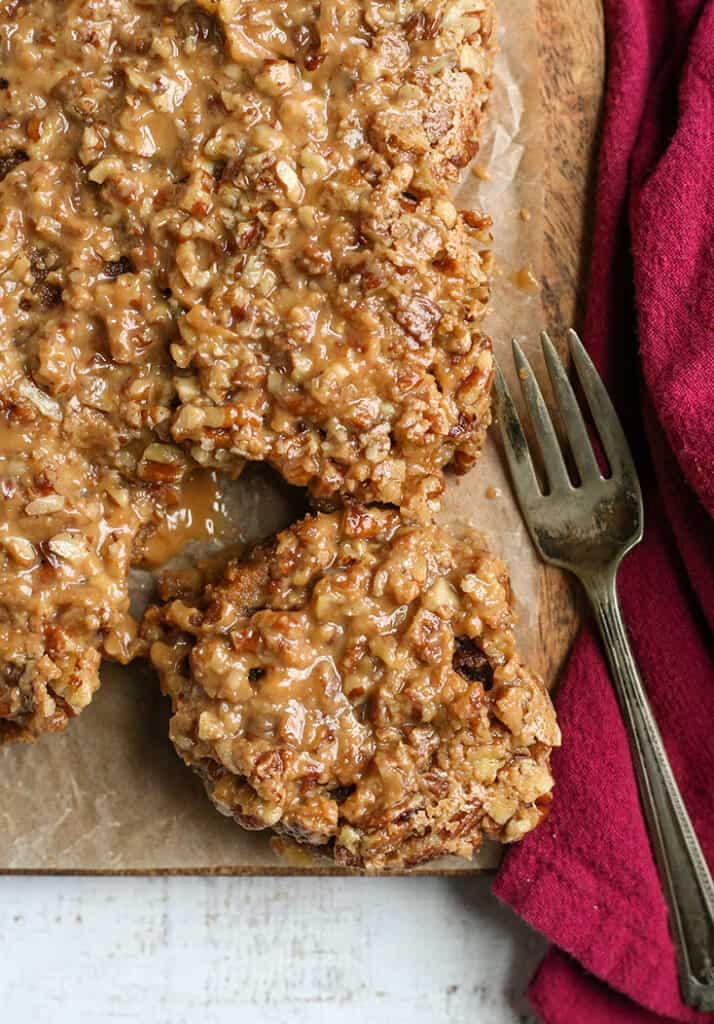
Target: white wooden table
[{"x": 261, "y": 950}]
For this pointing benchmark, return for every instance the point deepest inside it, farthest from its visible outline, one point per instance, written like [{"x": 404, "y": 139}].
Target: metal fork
[{"x": 587, "y": 528}]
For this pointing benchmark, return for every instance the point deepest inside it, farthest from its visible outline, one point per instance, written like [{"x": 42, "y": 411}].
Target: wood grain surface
[
  {"x": 264, "y": 950},
  {"x": 572, "y": 55}
]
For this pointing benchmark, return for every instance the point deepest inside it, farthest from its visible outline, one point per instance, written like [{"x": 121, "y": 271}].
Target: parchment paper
[{"x": 110, "y": 794}]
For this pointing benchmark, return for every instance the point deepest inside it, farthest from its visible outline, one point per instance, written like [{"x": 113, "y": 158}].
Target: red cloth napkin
[{"x": 586, "y": 878}]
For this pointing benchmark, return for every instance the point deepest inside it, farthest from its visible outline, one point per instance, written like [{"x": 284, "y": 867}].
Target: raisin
[
  {"x": 114, "y": 268},
  {"x": 308, "y": 44},
  {"x": 471, "y": 663},
  {"x": 340, "y": 794},
  {"x": 9, "y": 161},
  {"x": 313, "y": 61},
  {"x": 37, "y": 265},
  {"x": 49, "y": 295},
  {"x": 10, "y": 673},
  {"x": 254, "y": 674}
]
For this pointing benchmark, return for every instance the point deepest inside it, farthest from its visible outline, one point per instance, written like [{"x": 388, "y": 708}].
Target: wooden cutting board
[
  {"x": 571, "y": 50},
  {"x": 572, "y": 57}
]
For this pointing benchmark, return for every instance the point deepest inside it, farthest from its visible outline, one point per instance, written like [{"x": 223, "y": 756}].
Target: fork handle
[{"x": 683, "y": 870}]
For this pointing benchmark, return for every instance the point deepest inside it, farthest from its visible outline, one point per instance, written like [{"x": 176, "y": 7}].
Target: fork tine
[
  {"x": 571, "y": 415},
  {"x": 519, "y": 459},
  {"x": 602, "y": 410},
  {"x": 545, "y": 432}
]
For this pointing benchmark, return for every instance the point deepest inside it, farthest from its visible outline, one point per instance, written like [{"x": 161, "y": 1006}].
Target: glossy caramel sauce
[
  {"x": 198, "y": 513},
  {"x": 525, "y": 279}
]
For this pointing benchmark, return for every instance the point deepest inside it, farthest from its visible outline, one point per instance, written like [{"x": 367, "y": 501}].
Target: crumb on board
[{"x": 525, "y": 279}]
